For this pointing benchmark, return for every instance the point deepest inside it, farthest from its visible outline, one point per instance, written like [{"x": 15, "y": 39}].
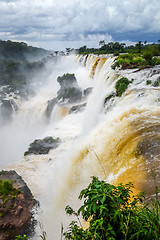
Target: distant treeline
[
  {"x": 116, "y": 48},
  {"x": 142, "y": 55},
  {"x": 20, "y": 51},
  {"x": 19, "y": 63}
]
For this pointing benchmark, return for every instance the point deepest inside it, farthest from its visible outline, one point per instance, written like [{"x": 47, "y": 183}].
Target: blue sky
[{"x": 59, "y": 24}]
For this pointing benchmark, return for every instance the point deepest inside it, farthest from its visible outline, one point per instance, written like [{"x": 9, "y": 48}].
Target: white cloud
[{"x": 77, "y": 20}]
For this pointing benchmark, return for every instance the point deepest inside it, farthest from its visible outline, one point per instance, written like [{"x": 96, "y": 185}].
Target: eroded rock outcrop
[
  {"x": 16, "y": 204},
  {"x": 8, "y": 104},
  {"x": 69, "y": 93},
  {"x": 42, "y": 146},
  {"x": 50, "y": 106},
  {"x": 77, "y": 108}
]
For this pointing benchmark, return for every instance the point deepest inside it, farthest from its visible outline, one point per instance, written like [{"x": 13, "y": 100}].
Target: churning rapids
[{"x": 116, "y": 139}]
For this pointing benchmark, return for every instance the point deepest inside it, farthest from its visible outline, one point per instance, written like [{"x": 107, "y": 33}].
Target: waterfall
[{"x": 116, "y": 139}]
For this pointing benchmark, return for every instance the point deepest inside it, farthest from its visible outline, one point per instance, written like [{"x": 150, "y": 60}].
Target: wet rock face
[
  {"x": 7, "y": 104},
  {"x": 50, "y": 106},
  {"x": 69, "y": 94},
  {"x": 15, "y": 207},
  {"x": 87, "y": 91},
  {"x": 69, "y": 90},
  {"x": 77, "y": 108},
  {"x": 43, "y": 146},
  {"x": 6, "y": 110},
  {"x": 154, "y": 71},
  {"x": 67, "y": 80},
  {"x": 17, "y": 180}
]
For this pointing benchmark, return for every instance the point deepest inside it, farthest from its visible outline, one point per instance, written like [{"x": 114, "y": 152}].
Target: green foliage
[
  {"x": 157, "y": 83},
  {"x": 139, "y": 46},
  {"x": 148, "y": 82},
  {"x": 148, "y": 57},
  {"x": 113, "y": 214},
  {"x": 137, "y": 60},
  {"x": 138, "y": 56},
  {"x": 19, "y": 50},
  {"x": 157, "y": 61},
  {"x": 26, "y": 153},
  {"x": 130, "y": 60},
  {"x": 2, "y": 172},
  {"x": 121, "y": 86},
  {"x": 20, "y": 237},
  {"x": 5, "y": 200},
  {"x": 108, "y": 98},
  {"x": 116, "y": 48},
  {"x": 6, "y": 187},
  {"x": 19, "y": 63},
  {"x": 42, "y": 146}
]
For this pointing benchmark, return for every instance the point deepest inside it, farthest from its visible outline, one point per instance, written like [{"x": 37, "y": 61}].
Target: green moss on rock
[
  {"x": 42, "y": 146},
  {"x": 121, "y": 86}
]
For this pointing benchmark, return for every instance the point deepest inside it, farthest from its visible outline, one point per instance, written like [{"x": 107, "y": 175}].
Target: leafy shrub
[
  {"x": 148, "y": 82},
  {"x": 137, "y": 60},
  {"x": 157, "y": 61},
  {"x": 113, "y": 214},
  {"x": 20, "y": 237},
  {"x": 116, "y": 53},
  {"x": 6, "y": 187},
  {"x": 148, "y": 57},
  {"x": 157, "y": 83},
  {"x": 112, "y": 95},
  {"x": 121, "y": 86},
  {"x": 2, "y": 172},
  {"x": 115, "y": 65}
]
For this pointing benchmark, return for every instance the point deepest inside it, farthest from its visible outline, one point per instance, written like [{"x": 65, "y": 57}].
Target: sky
[{"x": 60, "y": 24}]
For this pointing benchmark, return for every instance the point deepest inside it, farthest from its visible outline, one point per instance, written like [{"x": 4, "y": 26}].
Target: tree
[
  {"x": 139, "y": 46},
  {"x": 82, "y": 49},
  {"x": 101, "y": 43},
  {"x": 145, "y": 42}
]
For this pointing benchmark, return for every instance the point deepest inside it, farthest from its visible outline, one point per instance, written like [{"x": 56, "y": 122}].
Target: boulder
[
  {"x": 77, "y": 108},
  {"x": 87, "y": 91},
  {"x": 16, "y": 204},
  {"x": 42, "y": 146}
]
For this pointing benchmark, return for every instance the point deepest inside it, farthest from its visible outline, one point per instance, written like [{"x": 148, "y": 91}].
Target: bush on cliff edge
[{"x": 113, "y": 214}]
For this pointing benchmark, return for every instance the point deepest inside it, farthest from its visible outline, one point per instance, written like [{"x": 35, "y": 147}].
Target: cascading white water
[{"x": 107, "y": 140}]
